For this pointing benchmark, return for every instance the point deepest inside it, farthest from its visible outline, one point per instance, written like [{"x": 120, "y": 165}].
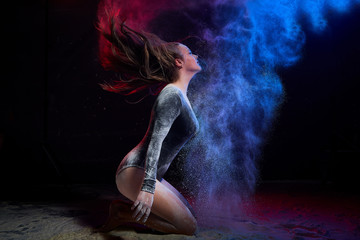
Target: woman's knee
[{"x": 190, "y": 227}]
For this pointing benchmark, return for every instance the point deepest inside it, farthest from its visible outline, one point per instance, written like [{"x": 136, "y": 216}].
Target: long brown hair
[{"x": 143, "y": 60}]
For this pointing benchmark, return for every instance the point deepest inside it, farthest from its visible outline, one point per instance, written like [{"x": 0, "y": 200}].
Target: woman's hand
[{"x": 143, "y": 205}]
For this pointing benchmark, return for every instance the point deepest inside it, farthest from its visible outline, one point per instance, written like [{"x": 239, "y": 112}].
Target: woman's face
[{"x": 190, "y": 62}]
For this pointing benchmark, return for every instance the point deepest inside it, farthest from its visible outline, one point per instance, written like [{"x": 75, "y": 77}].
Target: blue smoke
[{"x": 237, "y": 97}]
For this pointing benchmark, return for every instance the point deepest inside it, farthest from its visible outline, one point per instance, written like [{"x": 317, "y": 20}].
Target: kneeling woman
[{"x": 145, "y": 62}]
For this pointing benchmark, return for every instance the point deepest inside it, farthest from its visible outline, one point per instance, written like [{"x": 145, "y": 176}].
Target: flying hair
[{"x": 142, "y": 59}]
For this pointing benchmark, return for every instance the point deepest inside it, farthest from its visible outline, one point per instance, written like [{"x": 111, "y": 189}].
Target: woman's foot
[{"x": 119, "y": 214}]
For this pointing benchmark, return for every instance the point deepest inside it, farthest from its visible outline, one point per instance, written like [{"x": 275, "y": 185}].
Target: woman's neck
[
  {"x": 183, "y": 82},
  {"x": 182, "y": 86}
]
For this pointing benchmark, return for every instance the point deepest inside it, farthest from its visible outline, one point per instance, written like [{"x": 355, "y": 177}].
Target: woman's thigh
[
  {"x": 178, "y": 194},
  {"x": 166, "y": 204}
]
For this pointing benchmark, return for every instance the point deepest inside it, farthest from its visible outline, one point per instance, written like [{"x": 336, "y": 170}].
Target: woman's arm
[{"x": 166, "y": 109}]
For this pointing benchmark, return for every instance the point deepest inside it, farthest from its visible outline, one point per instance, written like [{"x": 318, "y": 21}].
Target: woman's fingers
[
  {"x": 142, "y": 211},
  {"x": 141, "y": 214},
  {"x": 135, "y": 204},
  {"x": 147, "y": 213},
  {"x": 142, "y": 206},
  {"x": 137, "y": 209}
]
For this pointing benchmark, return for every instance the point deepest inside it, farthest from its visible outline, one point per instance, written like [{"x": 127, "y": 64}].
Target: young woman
[{"x": 145, "y": 62}]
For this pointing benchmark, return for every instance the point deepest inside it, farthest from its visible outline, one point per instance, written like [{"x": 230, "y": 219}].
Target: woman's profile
[{"x": 147, "y": 63}]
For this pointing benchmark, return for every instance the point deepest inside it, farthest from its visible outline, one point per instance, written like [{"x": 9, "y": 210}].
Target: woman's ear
[{"x": 178, "y": 62}]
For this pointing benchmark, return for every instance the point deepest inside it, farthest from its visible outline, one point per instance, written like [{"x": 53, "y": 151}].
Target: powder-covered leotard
[{"x": 172, "y": 124}]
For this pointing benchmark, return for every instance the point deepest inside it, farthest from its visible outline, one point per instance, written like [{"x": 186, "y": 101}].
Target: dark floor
[{"x": 278, "y": 210}]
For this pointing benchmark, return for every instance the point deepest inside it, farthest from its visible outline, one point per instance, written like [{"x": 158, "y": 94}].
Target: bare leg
[
  {"x": 178, "y": 194},
  {"x": 168, "y": 214}
]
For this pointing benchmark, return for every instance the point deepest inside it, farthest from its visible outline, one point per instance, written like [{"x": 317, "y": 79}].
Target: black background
[{"x": 58, "y": 125}]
